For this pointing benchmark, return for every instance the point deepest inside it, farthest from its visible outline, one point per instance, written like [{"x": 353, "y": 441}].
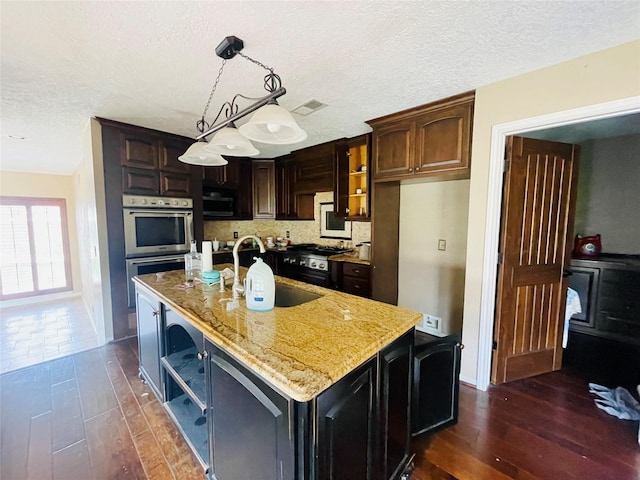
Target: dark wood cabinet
[
  {"x": 315, "y": 167},
  {"x": 240, "y": 426},
  {"x": 139, "y": 150},
  {"x": 227, "y": 176},
  {"x": 436, "y": 382},
  {"x": 346, "y": 416},
  {"x": 170, "y": 150},
  {"x": 233, "y": 180},
  {"x": 251, "y": 424},
  {"x": 289, "y": 204},
  {"x": 150, "y": 165},
  {"x": 609, "y": 291},
  {"x": 430, "y": 140},
  {"x": 353, "y": 278},
  {"x": 131, "y": 163},
  {"x": 264, "y": 195},
  {"x": 274, "y": 260},
  {"x": 149, "y": 316},
  {"x": 140, "y": 181},
  {"x": 394, "y": 397}
]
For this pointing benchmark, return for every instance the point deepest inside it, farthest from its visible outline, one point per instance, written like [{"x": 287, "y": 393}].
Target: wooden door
[{"x": 537, "y": 223}]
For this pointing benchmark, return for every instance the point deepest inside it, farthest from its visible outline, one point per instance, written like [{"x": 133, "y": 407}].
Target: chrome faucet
[{"x": 238, "y": 289}]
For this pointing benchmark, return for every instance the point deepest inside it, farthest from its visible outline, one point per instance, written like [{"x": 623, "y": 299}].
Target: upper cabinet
[
  {"x": 264, "y": 195},
  {"x": 356, "y": 181},
  {"x": 431, "y": 140},
  {"x": 233, "y": 181},
  {"x": 150, "y": 164},
  {"x": 289, "y": 204},
  {"x": 315, "y": 168}
]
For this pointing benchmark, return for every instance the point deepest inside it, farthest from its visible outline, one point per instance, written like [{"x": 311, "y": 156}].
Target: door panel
[{"x": 537, "y": 224}]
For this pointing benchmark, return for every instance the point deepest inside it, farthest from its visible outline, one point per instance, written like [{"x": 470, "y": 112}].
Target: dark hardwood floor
[{"x": 88, "y": 416}]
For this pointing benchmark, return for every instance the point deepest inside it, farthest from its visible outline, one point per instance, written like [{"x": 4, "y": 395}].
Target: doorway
[{"x": 498, "y": 141}]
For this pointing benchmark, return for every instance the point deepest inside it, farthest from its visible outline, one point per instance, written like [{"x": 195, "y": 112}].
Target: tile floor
[{"x": 40, "y": 332}]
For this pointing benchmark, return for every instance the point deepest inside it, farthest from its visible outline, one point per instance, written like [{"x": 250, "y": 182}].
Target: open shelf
[
  {"x": 358, "y": 180},
  {"x": 192, "y": 424},
  {"x": 188, "y": 372}
]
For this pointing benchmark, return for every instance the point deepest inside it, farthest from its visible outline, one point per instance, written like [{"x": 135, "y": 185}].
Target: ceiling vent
[{"x": 308, "y": 107}]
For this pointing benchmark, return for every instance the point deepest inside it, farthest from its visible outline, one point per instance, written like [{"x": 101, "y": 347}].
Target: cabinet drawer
[
  {"x": 356, "y": 286},
  {"x": 357, "y": 270}
]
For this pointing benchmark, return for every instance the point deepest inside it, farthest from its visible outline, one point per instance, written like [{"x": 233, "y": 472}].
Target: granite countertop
[
  {"x": 349, "y": 257},
  {"x": 301, "y": 350}
]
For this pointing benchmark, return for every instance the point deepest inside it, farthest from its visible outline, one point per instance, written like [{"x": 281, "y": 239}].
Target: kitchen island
[{"x": 316, "y": 390}]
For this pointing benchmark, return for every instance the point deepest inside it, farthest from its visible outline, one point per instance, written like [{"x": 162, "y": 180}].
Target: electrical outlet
[
  {"x": 442, "y": 244},
  {"x": 235, "y": 234},
  {"x": 288, "y": 233}
]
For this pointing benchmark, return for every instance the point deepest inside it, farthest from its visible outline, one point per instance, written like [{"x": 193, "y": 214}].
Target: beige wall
[
  {"x": 608, "y": 194},
  {"x": 605, "y": 76},
  {"x": 48, "y": 186},
  {"x": 430, "y": 280},
  {"x": 302, "y": 231}
]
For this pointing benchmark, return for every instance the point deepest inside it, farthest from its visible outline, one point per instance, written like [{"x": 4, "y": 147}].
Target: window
[{"x": 34, "y": 247}]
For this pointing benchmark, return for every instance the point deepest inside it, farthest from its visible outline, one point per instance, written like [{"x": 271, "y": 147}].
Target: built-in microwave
[
  {"x": 218, "y": 203},
  {"x": 157, "y": 225}
]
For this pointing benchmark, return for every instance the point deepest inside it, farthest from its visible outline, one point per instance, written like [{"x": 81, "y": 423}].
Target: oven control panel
[{"x": 143, "y": 201}]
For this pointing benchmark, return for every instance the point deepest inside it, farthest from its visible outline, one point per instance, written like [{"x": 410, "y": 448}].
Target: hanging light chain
[
  {"x": 272, "y": 81},
  {"x": 213, "y": 90}
]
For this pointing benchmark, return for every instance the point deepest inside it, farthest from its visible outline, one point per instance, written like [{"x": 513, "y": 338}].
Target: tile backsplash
[{"x": 301, "y": 231}]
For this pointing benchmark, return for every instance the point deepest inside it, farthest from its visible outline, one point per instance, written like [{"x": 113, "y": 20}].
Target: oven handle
[
  {"x": 163, "y": 213},
  {"x": 148, "y": 261}
]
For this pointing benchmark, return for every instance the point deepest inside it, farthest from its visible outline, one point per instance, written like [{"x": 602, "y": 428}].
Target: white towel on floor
[{"x": 573, "y": 306}]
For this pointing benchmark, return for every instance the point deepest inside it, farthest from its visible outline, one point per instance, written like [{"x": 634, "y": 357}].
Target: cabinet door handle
[
  {"x": 202, "y": 355},
  {"x": 411, "y": 169},
  {"x": 156, "y": 313},
  {"x": 417, "y": 168}
]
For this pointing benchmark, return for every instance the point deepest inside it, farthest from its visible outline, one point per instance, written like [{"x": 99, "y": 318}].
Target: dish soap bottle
[
  {"x": 193, "y": 263},
  {"x": 260, "y": 287}
]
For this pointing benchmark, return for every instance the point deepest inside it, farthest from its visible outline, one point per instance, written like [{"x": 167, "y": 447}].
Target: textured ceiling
[{"x": 153, "y": 63}]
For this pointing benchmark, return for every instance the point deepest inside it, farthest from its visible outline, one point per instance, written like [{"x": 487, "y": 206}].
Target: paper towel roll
[{"x": 207, "y": 256}]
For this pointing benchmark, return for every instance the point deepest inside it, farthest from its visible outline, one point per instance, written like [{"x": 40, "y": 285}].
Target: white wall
[
  {"x": 609, "y": 194},
  {"x": 605, "y": 76},
  {"x": 48, "y": 186},
  {"x": 89, "y": 185},
  {"x": 430, "y": 280}
]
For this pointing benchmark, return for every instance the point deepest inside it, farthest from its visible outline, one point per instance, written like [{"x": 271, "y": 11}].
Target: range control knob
[
  {"x": 161, "y": 202},
  {"x": 313, "y": 265},
  {"x": 143, "y": 201},
  {"x": 321, "y": 265}
]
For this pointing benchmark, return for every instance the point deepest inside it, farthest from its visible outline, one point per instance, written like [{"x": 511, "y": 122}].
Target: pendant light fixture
[
  {"x": 197, "y": 155},
  {"x": 228, "y": 141},
  {"x": 270, "y": 124}
]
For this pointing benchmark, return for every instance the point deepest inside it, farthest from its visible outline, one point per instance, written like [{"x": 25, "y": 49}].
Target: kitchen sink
[{"x": 288, "y": 296}]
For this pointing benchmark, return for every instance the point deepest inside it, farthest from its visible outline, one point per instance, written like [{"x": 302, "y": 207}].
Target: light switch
[{"x": 442, "y": 244}]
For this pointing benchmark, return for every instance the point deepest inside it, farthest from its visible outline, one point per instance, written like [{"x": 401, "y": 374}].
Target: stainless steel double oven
[{"x": 157, "y": 233}]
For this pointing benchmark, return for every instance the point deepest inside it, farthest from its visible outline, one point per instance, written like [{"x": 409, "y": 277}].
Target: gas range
[{"x": 311, "y": 255}]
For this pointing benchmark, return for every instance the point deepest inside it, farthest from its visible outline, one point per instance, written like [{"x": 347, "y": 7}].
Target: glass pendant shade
[
  {"x": 228, "y": 141},
  {"x": 272, "y": 124},
  {"x": 197, "y": 155}
]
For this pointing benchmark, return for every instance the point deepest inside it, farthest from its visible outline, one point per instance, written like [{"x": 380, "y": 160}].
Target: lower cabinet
[
  {"x": 436, "y": 385},
  {"x": 240, "y": 427},
  {"x": 346, "y": 433},
  {"x": 353, "y": 278},
  {"x": 251, "y": 425},
  {"x": 149, "y": 316}
]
